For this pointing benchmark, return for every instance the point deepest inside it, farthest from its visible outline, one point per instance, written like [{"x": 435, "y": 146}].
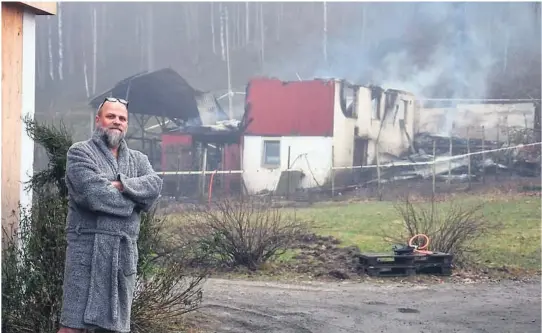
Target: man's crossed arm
[
  {"x": 143, "y": 189},
  {"x": 90, "y": 188}
]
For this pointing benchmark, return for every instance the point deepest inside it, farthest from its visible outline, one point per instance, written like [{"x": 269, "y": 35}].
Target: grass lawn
[{"x": 515, "y": 245}]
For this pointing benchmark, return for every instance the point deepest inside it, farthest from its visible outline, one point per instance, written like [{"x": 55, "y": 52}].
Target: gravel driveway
[{"x": 328, "y": 307}]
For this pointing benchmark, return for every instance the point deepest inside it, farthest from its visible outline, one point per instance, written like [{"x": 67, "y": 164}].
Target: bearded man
[{"x": 108, "y": 186}]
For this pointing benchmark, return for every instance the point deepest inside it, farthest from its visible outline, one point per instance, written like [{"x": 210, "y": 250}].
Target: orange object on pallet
[{"x": 420, "y": 249}]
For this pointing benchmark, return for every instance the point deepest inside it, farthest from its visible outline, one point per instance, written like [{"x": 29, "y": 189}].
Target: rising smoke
[{"x": 439, "y": 50}]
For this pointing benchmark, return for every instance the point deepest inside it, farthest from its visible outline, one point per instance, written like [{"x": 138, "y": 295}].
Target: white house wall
[
  {"x": 393, "y": 139},
  {"x": 28, "y": 103},
  {"x": 343, "y": 132},
  {"x": 310, "y": 154}
]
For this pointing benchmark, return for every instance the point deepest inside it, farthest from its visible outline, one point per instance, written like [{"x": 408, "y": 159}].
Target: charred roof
[{"x": 162, "y": 93}]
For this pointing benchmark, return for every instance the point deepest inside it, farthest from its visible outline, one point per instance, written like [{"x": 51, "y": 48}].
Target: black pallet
[
  {"x": 390, "y": 270},
  {"x": 435, "y": 270},
  {"x": 385, "y": 264}
]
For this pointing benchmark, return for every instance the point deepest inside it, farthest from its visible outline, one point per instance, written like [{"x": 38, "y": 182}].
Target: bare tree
[
  {"x": 506, "y": 40},
  {"x": 324, "y": 42},
  {"x": 141, "y": 36},
  {"x": 262, "y": 36},
  {"x": 85, "y": 74},
  {"x": 237, "y": 25},
  {"x": 213, "y": 38},
  {"x": 69, "y": 44},
  {"x": 94, "y": 49},
  {"x": 222, "y": 23},
  {"x": 50, "y": 48},
  {"x": 230, "y": 95},
  {"x": 82, "y": 39},
  {"x": 60, "y": 55},
  {"x": 103, "y": 33},
  {"x": 247, "y": 22},
  {"x": 150, "y": 38}
]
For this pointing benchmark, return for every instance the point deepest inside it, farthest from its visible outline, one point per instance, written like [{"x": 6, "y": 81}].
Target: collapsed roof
[{"x": 162, "y": 93}]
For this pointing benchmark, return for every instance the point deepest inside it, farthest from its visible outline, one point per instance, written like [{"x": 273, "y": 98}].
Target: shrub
[
  {"x": 32, "y": 273},
  {"x": 33, "y": 259},
  {"x": 240, "y": 233},
  {"x": 56, "y": 141},
  {"x": 453, "y": 230},
  {"x": 33, "y": 262},
  {"x": 164, "y": 289}
]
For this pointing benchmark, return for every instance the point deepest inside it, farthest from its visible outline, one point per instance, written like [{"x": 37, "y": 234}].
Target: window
[
  {"x": 271, "y": 153},
  {"x": 348, "y": 99},
  {"x": 375, "y": 106},
  {"x": 405, "y": 112},
  {"x": 399, "y": 112}
]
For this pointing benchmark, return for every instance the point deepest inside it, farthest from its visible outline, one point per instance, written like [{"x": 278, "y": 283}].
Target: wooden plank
[
  {"x": 389, "y": 272},
  {"x": 12, "y": 54},
  {"x": 392, "y": 255},
  {"x": 40, "y": 8}
]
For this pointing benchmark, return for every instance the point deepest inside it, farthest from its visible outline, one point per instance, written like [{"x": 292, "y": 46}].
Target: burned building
[
  {"x": 311, "y": 126},
  {"x": 305, "y": 127}
]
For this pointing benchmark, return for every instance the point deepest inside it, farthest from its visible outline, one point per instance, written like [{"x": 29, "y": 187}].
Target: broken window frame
[
  {"x": 375, "y": 107},
  {"x": 376, "y": 102},
  {"x": 398, "y": 115},
  {"x": 349, "y": 110},
  {"x": 406, "y": 103},
  {"x": 265, "y": 157}
]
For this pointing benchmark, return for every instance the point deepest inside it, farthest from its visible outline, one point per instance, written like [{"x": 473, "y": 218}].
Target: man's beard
[{"x": 112, "y": 137}]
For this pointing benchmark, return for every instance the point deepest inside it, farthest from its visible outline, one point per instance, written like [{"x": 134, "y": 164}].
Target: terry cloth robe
[{"x": 102, "y": 228}]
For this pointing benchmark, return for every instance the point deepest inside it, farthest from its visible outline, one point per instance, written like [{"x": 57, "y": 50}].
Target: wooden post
[
  {"x": 288, "y": 174},
  {"x": 468, "y": 157},
  {"x": 203, "y": 180},
  {"x": 242, "y": 187},
  {"x": 434, "y": 168},
  {"x": 378, "y": 171},
  {"x": 448, "y": 181},
  {"x": 483, "y": 154},
  {"x": 332, "y": 171},
  {"x": 537, "y": 121},
  {"x": 179, "y": 177},
  {"x": 509, "y": 151},
  {"x": 496, "y": 161}
]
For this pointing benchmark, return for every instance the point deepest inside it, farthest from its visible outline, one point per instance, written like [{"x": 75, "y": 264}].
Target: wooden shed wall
[{"x": 12, "y": 56}]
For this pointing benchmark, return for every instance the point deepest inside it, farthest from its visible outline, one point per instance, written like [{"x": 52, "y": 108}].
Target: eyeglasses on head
[{"x": 114, "y": 100}]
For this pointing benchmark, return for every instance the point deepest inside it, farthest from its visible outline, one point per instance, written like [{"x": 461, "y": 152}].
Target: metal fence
[{"x": 440, "y": 164}]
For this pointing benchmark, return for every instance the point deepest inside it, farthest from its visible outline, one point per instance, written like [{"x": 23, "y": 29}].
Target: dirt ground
[{"x": 372, "y": 306}]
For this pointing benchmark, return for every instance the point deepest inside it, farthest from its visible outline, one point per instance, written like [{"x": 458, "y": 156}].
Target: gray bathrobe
[{"x": 102, "y": 231}]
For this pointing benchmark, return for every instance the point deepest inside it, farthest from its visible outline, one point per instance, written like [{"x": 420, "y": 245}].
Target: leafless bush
[
  {"x": 166, "y": 288},
  {"x": 241, "y": 233},
  {"x": 161, "y": 301},
  {"x": 451, "y": 230}
]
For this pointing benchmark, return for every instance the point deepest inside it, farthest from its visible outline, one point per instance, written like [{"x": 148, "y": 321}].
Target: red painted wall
[
  {"x": 171, "y": 148},
  {"x": 175, "y": 144},
  {"x": 278, "y": 108},
  {"x": 231, "y": 161}
]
